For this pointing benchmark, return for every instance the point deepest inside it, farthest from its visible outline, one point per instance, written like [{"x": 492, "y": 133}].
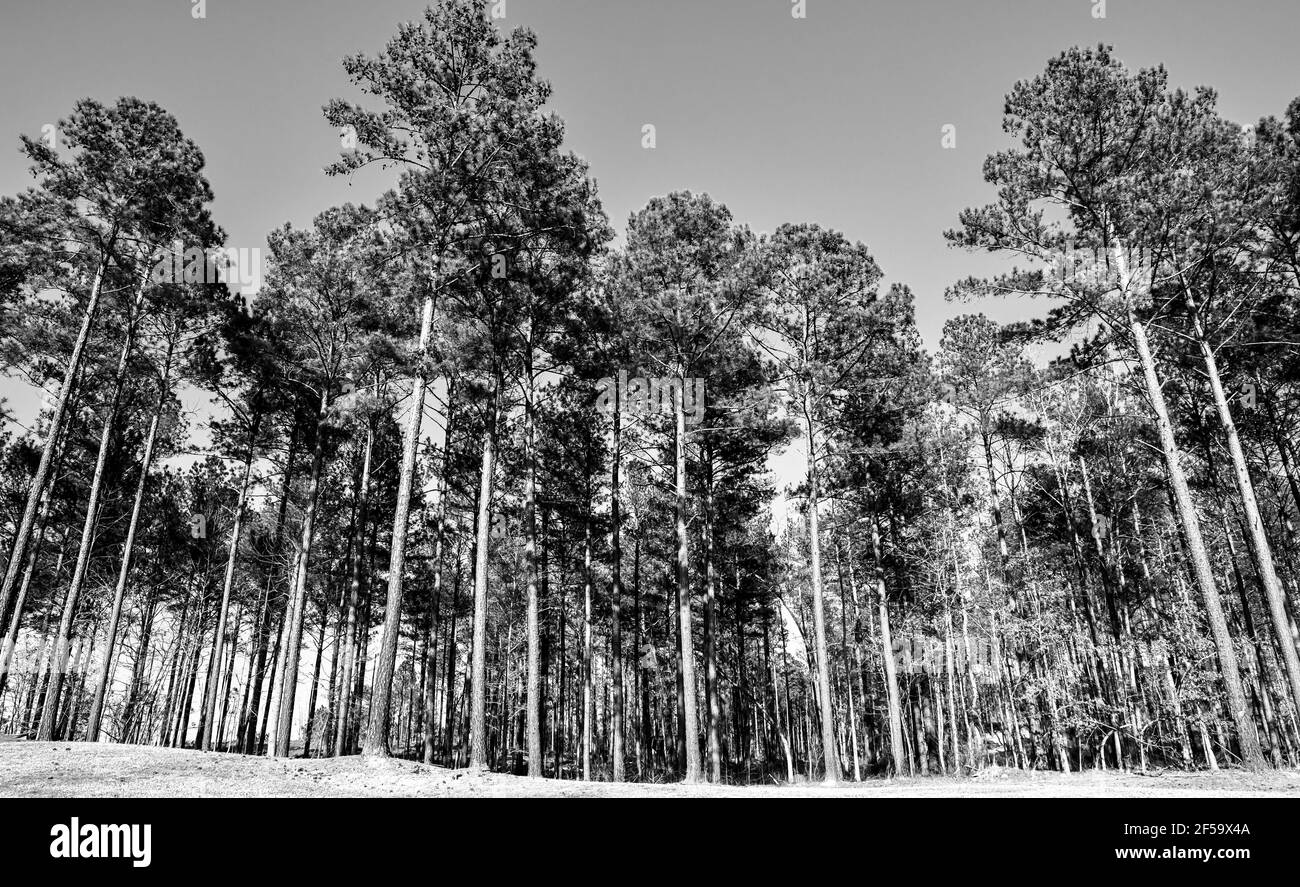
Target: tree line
[{"x": 483, "y": 486}]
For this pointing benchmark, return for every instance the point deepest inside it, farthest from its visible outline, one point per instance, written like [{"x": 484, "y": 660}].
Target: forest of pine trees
[{"x": 483, "y": 480}]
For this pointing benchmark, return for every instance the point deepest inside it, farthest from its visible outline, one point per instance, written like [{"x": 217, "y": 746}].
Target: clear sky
[{"x": 835, "y": 118}]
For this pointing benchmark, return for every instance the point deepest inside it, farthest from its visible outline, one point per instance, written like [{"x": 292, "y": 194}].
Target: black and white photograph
[{"x": 747, "y": 399}]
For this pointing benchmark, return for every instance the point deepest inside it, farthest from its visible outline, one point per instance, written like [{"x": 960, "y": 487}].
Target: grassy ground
[{"x": 43, "y": 769}]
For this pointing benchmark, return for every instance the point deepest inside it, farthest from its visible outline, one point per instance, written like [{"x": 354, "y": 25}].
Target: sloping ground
[{"x": 43, "y": 769}]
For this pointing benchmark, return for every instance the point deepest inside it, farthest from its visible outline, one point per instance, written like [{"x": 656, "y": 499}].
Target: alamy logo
[
  {"x": 641, "y": 396},
  {"x": 91, "y": 841},
  {"x": 239, "y": 268},
  {"x": 918, "y": 654}
]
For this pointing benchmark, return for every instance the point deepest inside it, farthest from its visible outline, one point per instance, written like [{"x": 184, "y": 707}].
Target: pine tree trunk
[
  {"x": 887, "y": 650},
  {"x": 439, "y": 555},
  {"x": 1280, "y": 441},
  {"x": 690, "y": 721},
  {"x": 42, "y": 476},
  {"x": 832, "y": 761},
  {"x": 647, "y": 717},
  {"x": 128, "y": 549},
  {"x": 850, "y": 683},
  {"x": 362, "y": 495},
  {"x": 228, "y": 584},
  {"x": 534, "y": 688},
  {"x": 186, "y": 706},
  {"x": 228, "y": 682},
  {"x": 174, "y": 664},
  {"x": 616, "y": 595},
  {"x": 309, "y": 728},
  {"x": 711, "y": 706},
  {"x": 588, "y": 689},
  {"x": 49, "y": 714},
  {"x": 20, "y": 602},
  {"x": 783, "y": 717},
  {"x": 382, "y": 688},
  {"x": 478, "y": 664},
  {"x": 950, "y": 674},
  {"x": 249, "y": 740},
  {"x": 1260, "y": 549},
  {"x": 298, "y": 613},
  {"x": 361, "y": 646},
  {"x": 449, "y": 693},
  {"x": 1251, "y": 754}
]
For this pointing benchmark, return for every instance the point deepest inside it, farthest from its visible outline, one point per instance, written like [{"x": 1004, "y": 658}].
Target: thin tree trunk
[
  {"x": 690, "y": 720},
  {"x": 588, "y": 694},
  {"x": 362, "y": 494},
  {"x": 382, "y": 687},
  {"x": 533, "y": 694},
  {"x": 228, "y": 682},
  {"x": 887, "y": 651},
  {"x": 616, "y": 594},
  {"x": 315, "y": 681},
  {"x": 1260, "y": 549},
  {"x": 449, "y": 694},
  {"x": 228, "y": 584},
  {"x": 128, "y": 548},
  {"x": 1251, "y": 754},
  {"x": 20, "y": 603},
  {"x": 440, "y": 538},
  {"x": 293, "y": 638},
  {"x": 478, "y": 658},
  {"x": 849, "y": 668},
  {"x": 49, "y": 714},
  {"x": 832, "y": 761},
  {"x": 248, "y": 730},
  {"x": 712, "y": 711},
  {"x": 36, "y": 490}
]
